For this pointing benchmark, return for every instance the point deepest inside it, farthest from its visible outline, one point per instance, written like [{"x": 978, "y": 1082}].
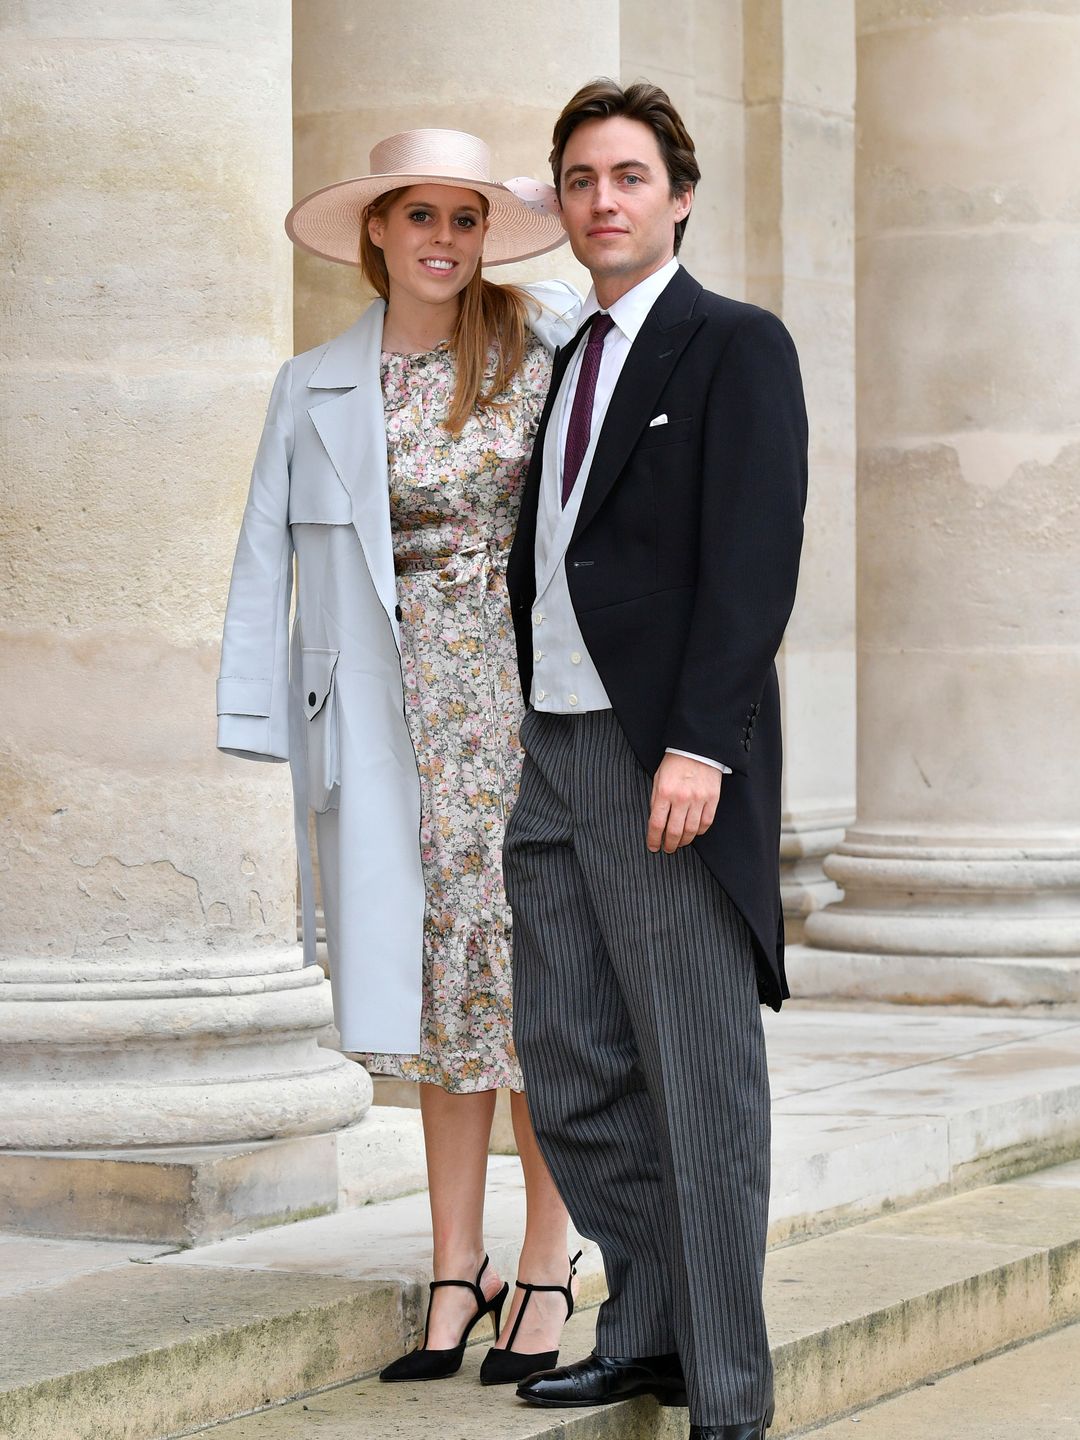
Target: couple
[{"x": 642, "y": 494}]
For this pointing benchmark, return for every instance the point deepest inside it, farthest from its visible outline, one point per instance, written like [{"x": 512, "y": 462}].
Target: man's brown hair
[{"x": 603, "y": 98}]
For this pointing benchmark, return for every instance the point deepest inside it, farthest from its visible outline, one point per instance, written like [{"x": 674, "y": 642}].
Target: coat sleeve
[
  {"x": 753, "y": 496},
  {"x": 253, "y": 686}
]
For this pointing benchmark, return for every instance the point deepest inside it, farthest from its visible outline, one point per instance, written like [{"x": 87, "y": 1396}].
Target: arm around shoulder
[{"x": 553, "y": 311}]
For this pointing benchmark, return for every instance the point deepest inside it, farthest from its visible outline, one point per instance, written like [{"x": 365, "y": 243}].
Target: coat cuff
[
  {"x": 243, "y": 697},
  {"x": 247, "y": 736}
]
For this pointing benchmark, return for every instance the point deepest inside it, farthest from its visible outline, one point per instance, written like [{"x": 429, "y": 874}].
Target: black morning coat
[{"x": 683, "y": 564}]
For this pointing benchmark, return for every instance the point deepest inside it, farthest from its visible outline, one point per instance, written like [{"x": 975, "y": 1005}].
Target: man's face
[{"x": 617, "y": 203}]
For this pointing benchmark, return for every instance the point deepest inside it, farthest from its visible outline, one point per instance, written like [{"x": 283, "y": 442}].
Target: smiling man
[{"x": 651, "y": 579}]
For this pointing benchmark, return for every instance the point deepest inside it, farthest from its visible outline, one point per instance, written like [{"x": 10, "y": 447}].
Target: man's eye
[
  {"x": 632, "y": 179},
  {"x": 579, "y": 184}
]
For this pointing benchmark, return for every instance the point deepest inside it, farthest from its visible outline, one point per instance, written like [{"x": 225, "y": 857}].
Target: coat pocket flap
[
  {"x": 243, "y": 697},
  {"x": 318, "y": 672}
]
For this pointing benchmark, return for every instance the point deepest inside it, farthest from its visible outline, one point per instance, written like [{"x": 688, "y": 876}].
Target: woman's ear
[{"x": 376, "y": 230}]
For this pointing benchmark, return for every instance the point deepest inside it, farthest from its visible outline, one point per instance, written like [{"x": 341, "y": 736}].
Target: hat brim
[{"x": 327, "y": 222}]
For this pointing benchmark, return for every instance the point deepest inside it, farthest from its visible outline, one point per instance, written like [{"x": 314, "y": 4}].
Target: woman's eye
[
  {"x": 419, "y": 215},
  {"x": 467, "y": 221}
]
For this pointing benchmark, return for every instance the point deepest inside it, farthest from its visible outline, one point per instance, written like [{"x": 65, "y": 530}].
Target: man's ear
[{"x": 684, "y": 203}]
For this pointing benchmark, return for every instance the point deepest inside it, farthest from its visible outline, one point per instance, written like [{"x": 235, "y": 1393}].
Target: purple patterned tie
[{"x": 577, "y": 432}]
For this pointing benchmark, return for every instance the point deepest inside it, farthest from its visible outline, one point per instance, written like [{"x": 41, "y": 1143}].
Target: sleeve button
[{"x": 312, "y": 698}]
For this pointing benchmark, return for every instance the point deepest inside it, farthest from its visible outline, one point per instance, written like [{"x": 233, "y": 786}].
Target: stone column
[
  {"x": 962, "y": 872},
  {"x": 800, "y": 92},
  {"x": 503, "y": 73},
  {"x": 151, "y": 990}
]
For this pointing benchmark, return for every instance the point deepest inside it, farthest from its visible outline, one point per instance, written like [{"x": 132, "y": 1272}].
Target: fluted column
[
  {"x": 962, "y": 872},
  {"x": 150, "y": 985}
]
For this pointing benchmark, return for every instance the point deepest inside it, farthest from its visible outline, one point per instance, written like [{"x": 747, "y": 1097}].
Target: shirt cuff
[{"x": 716, "y": 765}]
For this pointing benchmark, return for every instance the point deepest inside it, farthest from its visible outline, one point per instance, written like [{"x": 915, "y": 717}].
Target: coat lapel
[
  {"x": 352, "y": 428},
  {"x": 653, "y": 356}
]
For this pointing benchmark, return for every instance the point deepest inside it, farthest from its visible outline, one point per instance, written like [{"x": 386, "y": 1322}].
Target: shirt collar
[{"x": 630, "y": 310}]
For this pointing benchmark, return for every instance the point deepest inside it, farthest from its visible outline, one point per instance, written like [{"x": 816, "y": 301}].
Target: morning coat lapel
[
  {"x": 653, "y": 356},
  {"x": 352, "y": 428}
]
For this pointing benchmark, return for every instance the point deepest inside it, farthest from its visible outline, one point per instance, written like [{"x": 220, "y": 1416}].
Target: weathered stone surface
[{"x": 1032, "y": 1391}]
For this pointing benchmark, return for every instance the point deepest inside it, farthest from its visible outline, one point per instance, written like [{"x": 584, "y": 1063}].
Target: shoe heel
[{"x": 497, "y": 1303}]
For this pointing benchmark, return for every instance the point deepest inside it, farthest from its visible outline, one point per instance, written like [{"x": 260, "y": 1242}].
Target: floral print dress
[{"x": 453, "y": 507}]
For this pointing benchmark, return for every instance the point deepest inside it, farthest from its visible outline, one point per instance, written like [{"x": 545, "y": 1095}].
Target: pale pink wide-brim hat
[{"x": 523, "y": 216}]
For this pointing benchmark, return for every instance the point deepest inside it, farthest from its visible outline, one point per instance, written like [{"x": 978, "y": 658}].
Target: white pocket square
[{"x": 658, "y": 420}]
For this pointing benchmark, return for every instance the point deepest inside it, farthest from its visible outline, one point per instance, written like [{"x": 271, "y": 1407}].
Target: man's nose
[{"x": 604, "y": 196}]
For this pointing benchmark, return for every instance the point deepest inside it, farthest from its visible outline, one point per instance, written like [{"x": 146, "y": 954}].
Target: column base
[
  {"x": 181, "y": 1195},
  {"x": 957, "y": 923},
  {"x": 805, "y": 840},
  {"x": 984, "y": 980}
]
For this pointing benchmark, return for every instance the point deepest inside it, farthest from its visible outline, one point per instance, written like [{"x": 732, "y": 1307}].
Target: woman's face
[{"x": 432, "y": 238}]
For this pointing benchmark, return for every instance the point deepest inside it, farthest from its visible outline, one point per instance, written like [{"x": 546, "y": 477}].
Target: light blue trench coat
[{"x": 330, "y": 700}]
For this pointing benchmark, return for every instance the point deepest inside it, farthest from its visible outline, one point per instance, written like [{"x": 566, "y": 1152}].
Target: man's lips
[{"x": 600, "y": 230}]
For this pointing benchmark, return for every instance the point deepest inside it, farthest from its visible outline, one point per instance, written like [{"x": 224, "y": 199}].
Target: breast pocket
[
  {"x": 670, "y": 433},
  {"x": 321, "y": 715}
]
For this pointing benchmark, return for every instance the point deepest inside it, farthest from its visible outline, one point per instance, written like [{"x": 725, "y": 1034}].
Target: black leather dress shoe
[
  {"x": 756, "y": 1431},
  {"x": 602, "y": 1379}
]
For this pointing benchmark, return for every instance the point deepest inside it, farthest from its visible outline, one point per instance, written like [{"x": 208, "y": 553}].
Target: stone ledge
[
  {"x": 183, "y": 1195},
  {"x": 992, "y": 980}
]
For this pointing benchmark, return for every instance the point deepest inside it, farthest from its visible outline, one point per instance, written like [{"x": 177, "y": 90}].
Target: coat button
[
  {"x": 540, "y": 694},
  {"x": 397, "y": 613},
  {"x": 572, "y": 699},
  {"x": 312, "y": 698},
  {"x": 575, "y": 658},
  {"x": 538, "y": 619}
]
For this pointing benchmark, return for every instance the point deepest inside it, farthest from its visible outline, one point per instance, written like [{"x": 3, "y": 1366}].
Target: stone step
[
  {"x": 854, "y": 1316},
  {"x": 873, "y": 1110},
  {"x": 1029, "y": 1393}
]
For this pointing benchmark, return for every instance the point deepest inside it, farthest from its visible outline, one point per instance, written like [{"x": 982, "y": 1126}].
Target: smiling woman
[
  {"x": 424, "y": 242},
  {"x": 391, "y": 468}
]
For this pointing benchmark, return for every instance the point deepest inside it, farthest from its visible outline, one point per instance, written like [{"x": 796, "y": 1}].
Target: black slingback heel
[
  {"x": 507, "y": 1367},
  {"x": 425, "y": 1364}
]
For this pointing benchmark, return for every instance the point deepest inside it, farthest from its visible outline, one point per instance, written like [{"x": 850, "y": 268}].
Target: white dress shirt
[{"x": 565, "y": 680}]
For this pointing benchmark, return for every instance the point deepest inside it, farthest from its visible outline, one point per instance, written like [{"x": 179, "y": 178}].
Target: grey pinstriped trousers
[{"x": 637, "y": 1022}]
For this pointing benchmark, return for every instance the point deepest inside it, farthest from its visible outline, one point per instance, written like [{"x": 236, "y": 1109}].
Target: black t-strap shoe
[
  {"x": 425, "y": 1364},
  {"x": 507, "y": 1367}
]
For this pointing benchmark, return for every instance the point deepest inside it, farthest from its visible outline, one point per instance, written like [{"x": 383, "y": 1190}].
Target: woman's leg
[
  {"x": 457, "y": 1130},
  {"x": 543, "y": 1258}
]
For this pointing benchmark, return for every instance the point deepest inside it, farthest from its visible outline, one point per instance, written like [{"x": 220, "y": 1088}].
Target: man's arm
[{"x": 753, "y": 493}]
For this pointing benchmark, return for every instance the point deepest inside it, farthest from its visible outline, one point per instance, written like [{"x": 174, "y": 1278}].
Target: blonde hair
[{"x": 488, "y": 316}]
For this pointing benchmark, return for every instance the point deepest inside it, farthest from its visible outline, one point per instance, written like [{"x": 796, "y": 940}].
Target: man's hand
[{"x": 684, "y": 798}]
